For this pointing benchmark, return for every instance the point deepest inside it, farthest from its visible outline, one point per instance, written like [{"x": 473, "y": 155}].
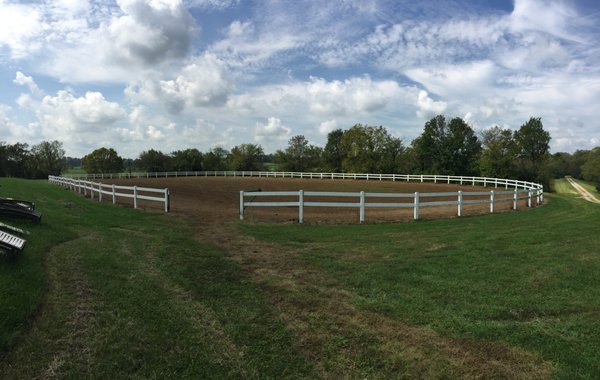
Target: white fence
[
  {"x": 301, "y": 200},
  {"x": 98, "y": 190}
]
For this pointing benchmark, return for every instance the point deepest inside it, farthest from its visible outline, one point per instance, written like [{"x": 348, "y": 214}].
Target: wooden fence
[{"x": 99, "y": 190}]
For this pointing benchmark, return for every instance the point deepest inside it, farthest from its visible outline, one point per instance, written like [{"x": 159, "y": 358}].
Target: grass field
[{"x": 104, "y": 291}]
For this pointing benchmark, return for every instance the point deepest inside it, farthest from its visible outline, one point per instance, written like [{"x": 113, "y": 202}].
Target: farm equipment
[{"x": 15, "y": 208}]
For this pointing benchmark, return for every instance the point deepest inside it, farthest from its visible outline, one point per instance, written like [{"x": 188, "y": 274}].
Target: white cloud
[
  {"x": 272, "y": 131},
  {"x": 427, "y": 107},
  {"x": 328, "y": 126},
  {"x": 24, "y": 80},
  {"x": 203, "y": 83},
  {"x": 66, "y": 113},
  {"x": 20, "y": 27}
]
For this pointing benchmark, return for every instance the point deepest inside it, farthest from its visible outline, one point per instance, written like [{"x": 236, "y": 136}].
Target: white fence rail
[
  {"x": 99, "y": 190},
  {"x": 302, "y": 200},
  {"x": 462, "y": 180}
]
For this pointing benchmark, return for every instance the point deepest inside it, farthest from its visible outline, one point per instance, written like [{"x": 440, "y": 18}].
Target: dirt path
[{"x": 584, "y": 193}]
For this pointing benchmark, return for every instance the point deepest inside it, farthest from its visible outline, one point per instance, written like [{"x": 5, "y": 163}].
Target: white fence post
[
  {"x": 460, "y": 200},
  {"x": 301, "y": 206},
  {"x": 135, "y": 199},
  {"x": 167, "y": 200},
  {"x": 416, "y": 207},
  {"x": 242, "y": 205},
  {"x": 362, "y": 207},
  {"x": 100, "y": 192},
  {"x": 492, "y": 201},
  {"x": 515, "y": 200},
  {"x": 529, "y": 199},
  {"x": 114, "y": 194}
]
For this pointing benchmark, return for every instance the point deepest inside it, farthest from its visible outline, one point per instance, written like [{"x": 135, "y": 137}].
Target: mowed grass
[
  {"x": 108, "y": 292},
  {"x": 527, "y": 279}
]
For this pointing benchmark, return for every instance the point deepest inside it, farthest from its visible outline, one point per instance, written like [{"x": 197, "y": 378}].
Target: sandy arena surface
[{"x": 216, "y": 199}]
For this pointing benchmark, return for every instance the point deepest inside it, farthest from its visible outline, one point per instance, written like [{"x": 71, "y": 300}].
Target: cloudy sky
[{"x": 175, "y": 74}]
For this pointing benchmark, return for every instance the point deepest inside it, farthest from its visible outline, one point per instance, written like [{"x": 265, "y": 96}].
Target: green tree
[
  {"x": 13, "y": 160},
  {"x": 46, "y": 158},
  {"x": 369, "y": 149},
  {"x": 299, "y": 156},
  {"x": 447, "y": 148},
  {"x": 215, "y": 159},
  {"x": 153, "y": 161},
  {"x": 246, "y": 157},
  {"x": 499, "y": 153},
  {"x": 102, "y": 160},
  {"x": 591, "y": 168},
  {"x": 533, "y": 143},
  {"x": 333, "y": 155},
  {"x": 186, "y": 160}
]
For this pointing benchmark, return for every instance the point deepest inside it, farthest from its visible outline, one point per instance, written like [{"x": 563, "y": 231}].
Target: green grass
[
  {"x": 562, "y": 186},
  {"x": 527, "y": 279},
  {"x": 103, "y": 291}
]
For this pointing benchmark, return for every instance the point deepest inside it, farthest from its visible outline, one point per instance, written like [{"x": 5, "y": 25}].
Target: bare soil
[{"x": 216, "y": 199}]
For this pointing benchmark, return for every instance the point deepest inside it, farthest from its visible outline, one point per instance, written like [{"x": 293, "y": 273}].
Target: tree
[
  {"x": 332, "y": 154},
  {"x": 299, "y": 156},
  {"x": 153, "y": 161},
  {"x": 13, "y": 160},
  {"x": 368, "y": 149},
  {"x": 533, "y": 143},
  {"x": 246, "y": 157},
  {"x": 499, "y": 153},
  {"x": 102, "y": 160},
  {"x": 591, "y": 168},
  {"x": 46, "y": 158},
  {"x": 215, "y": 159},
  {"x": 186, "y": 160},
  {"x": 447, "y": 148}
]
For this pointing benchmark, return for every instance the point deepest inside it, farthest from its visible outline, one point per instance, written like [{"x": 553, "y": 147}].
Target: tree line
[{"x": 444, "y": 147}]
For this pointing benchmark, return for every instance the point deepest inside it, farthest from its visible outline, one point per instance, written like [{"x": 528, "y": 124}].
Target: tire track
[{"x": 584, "y": 193}]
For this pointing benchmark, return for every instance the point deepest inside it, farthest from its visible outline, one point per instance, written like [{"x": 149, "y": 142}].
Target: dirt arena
[{"x": 216, "y": 199}]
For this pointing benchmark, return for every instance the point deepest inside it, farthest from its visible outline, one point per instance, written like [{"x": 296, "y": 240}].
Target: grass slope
[
  {"x": 103, "y": 291},
  {"x": 525, "y": 279}
]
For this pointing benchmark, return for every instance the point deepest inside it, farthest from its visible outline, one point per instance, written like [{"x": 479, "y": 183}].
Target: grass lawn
[{"x": 107, "y": 292}]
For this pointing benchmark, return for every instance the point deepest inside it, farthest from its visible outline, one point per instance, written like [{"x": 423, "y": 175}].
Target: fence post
[
  {"x": 242, "y": 205},
  {"x": 416, "y": 207},
  {"x": 362, "y": 207},
  {"x": 460, "y": 200},
  {"x": 114, "y": 194},
  {"x": 92, "y": 190},
  {"x": 100, "y": 192},
  {"x": 301, "y": 206},
  {"x": 492, "y": 201},
  {"x": 135, "y": 200},
  {"x": 515, "y": 200},
  {"x": 167, "y": 200},
  {"x": 529, "y": 199}
]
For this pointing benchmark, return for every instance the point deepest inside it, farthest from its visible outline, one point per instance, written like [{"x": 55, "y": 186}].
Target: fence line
[
  {"x": 97, "y": 189},
  {"x": 462, "y": 180},
  {"x": 361, "y": 203}
]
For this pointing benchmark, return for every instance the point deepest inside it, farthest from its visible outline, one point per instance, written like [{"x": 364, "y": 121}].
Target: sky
[{"x": 135, "y": 75}]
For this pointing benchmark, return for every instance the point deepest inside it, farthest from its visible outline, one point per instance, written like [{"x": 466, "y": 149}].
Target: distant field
[{"x": 105, "y": 291}]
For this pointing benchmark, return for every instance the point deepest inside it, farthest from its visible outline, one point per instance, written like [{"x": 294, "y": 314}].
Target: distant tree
[
  {"x": 533, "y": 143},
  {"x": 246, "y": 157},
  {"x": 591, "y": 168},
  {"x": 499, "y": 153},
  {"x": 186, "y": 160},
  {"x": 13, "y": 160},
  {"x": 299, "y": 156},
  {"x": 332, "y": 154},
  {"x": 46, "y": 158},
  {"x": 369, "y": 149},
  {"x": 153, "y": 161},
  {"x": 447, "y": 148},
  {"x": 215, "y": 159},
  {"x": 102, "y": 160}
]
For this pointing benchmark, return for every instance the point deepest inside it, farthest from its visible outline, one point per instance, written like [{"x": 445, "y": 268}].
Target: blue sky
[{"x": 169, "y": 74}]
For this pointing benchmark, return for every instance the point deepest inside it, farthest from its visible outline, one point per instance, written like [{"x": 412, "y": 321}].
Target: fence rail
[
  {"x": 361, "y": 200},
  {"x": 98, "y": 190},
  {"x": 462, "y": 180}
]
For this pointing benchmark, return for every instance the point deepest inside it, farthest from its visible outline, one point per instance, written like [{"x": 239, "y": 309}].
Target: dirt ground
[{"x": 216, "y": 199}]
